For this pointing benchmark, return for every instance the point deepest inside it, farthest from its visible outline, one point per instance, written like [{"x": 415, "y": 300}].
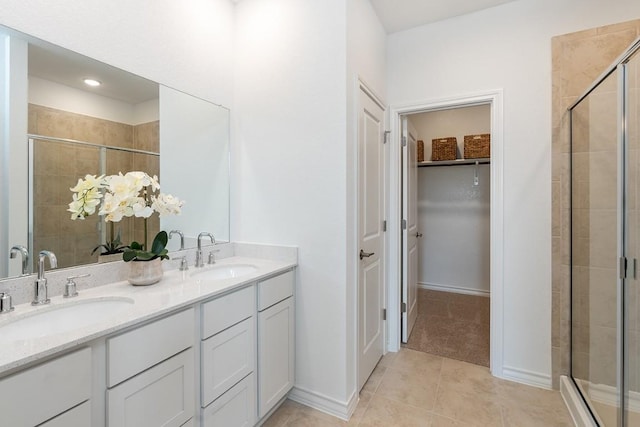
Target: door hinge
[
  {"x": 404, "y": 307},
  {"x": 384, "y": 225},
  {"x": 384, "y": 314},
  {"x": 623, "y": 267},
  {"x": 404, "y": 141},
  {"x": 404, "y": 224},
  {"x": 385, "y": 138}
]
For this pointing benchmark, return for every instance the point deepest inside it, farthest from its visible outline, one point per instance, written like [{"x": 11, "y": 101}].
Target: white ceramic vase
[{"x": 142, "y": 273}]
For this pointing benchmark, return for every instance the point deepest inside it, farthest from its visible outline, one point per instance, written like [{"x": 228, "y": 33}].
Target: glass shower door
[
  {"x": 596, "y": 244},
  {"x": 631, "y": 378}
]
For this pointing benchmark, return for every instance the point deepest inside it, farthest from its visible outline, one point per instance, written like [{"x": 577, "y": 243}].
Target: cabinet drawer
[
  {"x": 235, "y": 408},
  {"x": 161, "y": 396},
  {"x": 80, "y": 416},
  {"x": 227, "y": 358},
  {"x": 44, "y": 391},
  {"x": 275, "y": 289},
  {"x": 227, "y": 310},
  {"x": 141, "y": 348}
]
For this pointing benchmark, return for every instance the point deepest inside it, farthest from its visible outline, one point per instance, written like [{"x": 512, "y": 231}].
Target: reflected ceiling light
[{"x": 92, "y": 82}]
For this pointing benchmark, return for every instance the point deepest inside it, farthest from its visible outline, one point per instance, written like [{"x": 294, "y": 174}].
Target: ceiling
[
  {"x": 70, "y": 69},
  {"x": 399, "y": 15}
]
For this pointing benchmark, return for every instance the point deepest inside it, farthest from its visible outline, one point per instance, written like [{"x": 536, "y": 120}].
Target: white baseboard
[
  {"x": 608, "y": 395},
  {"x": 576, "y": 406},
  {"x": 322, "y": 403},
  {"x": 523, "y": 376},
  {"x": 454, "y": 289}
]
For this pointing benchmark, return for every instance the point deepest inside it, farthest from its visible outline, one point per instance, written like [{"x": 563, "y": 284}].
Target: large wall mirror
[{"x": 56, "y": 129}]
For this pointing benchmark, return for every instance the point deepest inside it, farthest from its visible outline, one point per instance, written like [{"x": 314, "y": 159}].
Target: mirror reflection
[{"x": 120, "y": 123}]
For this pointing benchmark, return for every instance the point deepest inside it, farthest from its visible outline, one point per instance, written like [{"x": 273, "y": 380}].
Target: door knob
[
  {"x": 364, "y": 254},
  {"x": 418, "y": 235}
]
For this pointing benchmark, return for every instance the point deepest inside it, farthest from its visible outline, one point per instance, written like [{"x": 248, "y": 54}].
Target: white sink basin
[
  {"x": 62, "y": 318},
  {"x": 224, "y": 271}
]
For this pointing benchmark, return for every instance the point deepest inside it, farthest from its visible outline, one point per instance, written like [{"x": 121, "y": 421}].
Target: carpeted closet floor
[{"x": 452, "y": 325}]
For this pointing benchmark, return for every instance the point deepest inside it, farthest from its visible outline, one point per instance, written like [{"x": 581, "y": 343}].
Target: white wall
[
  {"x": 295, "y": 77},
  {"x": 508, "y": 47},
  {"x": 453, "y": 213},
  {"x": 289, "y": 168},
  {"x": 366, "y": 60},
  {"x": 185, "y": 46}
]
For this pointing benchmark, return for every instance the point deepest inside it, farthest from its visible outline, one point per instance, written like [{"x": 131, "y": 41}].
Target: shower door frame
[{"x": 626, "y": 269}]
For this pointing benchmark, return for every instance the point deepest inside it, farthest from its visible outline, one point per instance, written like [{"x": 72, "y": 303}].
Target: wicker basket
[
  {"x": 477, "y": 146},
  {"x": 444, "y": 148},
  {"x": 420, "y": 150}
]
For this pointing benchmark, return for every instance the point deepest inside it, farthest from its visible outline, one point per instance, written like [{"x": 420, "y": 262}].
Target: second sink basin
[
  {"x": 57, "y": 319},
  {"x": 224, "y": 271}
]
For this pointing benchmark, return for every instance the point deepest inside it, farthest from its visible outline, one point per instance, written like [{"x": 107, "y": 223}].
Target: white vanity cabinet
[
  {"x": 276, "y": 346},
  {"x": 151, "y": 374},
  {"x": 228, "y": 360},
  {"x": 49, "y": 392}
]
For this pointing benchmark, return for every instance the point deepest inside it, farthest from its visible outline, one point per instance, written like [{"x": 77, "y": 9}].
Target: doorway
[
  {"x": 446, "y": 211},
  {"x": 397, "y": 265}
]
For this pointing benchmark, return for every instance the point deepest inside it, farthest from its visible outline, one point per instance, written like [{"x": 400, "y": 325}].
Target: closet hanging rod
[{"x": 458, "y": 162}]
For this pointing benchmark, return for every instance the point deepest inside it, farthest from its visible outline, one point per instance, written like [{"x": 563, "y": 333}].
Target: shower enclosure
[
  {"x": 605, "y": 244},
  {"x": 55, "y": 165}
]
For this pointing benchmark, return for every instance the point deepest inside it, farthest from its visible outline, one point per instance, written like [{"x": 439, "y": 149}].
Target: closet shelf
[{"x": 457, "y": 162}]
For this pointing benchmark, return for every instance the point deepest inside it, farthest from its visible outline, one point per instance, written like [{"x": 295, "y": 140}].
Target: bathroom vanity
[{"x": 212, "y": 346}]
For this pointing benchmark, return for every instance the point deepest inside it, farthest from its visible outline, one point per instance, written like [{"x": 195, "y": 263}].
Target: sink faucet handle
[
  {"x": 212, "y": 257},
  {"x": 184, "y": 265},
  {"x": 71, "y": 289},
  {"x": 5, "y": 303}
]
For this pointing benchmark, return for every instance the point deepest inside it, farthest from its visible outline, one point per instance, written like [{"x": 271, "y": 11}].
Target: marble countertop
[{"x": 176, "y": 290}]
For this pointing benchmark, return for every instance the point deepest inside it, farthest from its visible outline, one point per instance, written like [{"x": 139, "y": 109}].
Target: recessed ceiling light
[{"x": 92, "y": 82}]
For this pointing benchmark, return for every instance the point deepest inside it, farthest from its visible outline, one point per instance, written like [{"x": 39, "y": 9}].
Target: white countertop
[{"x": 176, "y": 290}]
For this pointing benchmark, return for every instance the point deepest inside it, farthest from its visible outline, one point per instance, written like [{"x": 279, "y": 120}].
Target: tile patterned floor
[
  {"x": 452, "y": 325},
  {"x": 415, "y": 389}
]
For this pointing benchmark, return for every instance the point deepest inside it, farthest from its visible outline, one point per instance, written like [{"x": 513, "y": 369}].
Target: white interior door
[
  {"x": 370, "y": 235},
  {"x": 410, "y": 231}
]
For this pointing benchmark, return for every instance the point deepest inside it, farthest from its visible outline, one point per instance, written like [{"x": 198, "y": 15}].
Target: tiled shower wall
[
  {"x": 578, "y": 59},
  {"x": 58, "y": 166}
]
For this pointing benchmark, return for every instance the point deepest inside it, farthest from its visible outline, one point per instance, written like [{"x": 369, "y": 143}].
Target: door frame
[{"x": 394, "y": 260}]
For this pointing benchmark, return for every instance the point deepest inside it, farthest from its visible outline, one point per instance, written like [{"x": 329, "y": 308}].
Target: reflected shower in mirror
[{"x": 125, "y": 123}]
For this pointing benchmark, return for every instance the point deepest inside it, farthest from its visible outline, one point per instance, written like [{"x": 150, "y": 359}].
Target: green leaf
[
  {"x": 159, "y": 242},
  {"x": 136, "y": 246},
  {"x": 129, "y": 255},
  {"x": 144, "y": 256}
]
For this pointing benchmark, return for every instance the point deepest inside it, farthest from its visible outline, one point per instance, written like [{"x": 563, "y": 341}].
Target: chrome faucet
[
  {"x": 199, "y": 257},
  {"x": 41, "y": 293},
  {"x": 19, "y": 249},
  {"x": 178, "y": 232}
]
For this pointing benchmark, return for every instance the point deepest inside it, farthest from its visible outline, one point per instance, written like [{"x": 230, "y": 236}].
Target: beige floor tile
[
  {"x": 384, "y": 413},
  {"x": 532, "y": 416},
  {"x": 469, "y": 406},
  {"x": 409, "y": 388},
  {"x": 440, "y": 421},
  {"x": 418, "y": 363},
  {"x": 387, "y": 359},
  {"x": 282, "y": 414},
  {"x": 468, "y": 377},
  {"x": 374, "y": 380}
]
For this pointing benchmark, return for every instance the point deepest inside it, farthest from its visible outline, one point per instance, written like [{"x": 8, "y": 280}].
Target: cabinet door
[
  {"x": 161, "y": 396},
  {"x": 80, "y": 416},
  {"x": 227, "y": 357},
  {"x": 275, "y": 354},
  {"x": 235, "y": 408}
]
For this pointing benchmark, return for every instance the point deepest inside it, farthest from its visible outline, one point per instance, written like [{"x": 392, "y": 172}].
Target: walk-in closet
[{"x": 446, "y": 234}]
